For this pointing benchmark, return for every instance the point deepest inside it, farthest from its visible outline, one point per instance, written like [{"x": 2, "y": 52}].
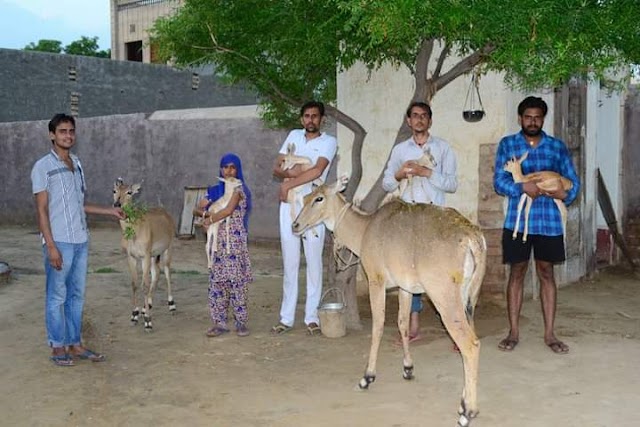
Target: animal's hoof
[
  {"x": 463, "y": 421},
  {"x": 407, "y": 372},
  {"x": 172, "y": 306},
  {"x": 365, "y": 381},
  {"x": 134, "y": 316},
  {"x": 148, "y": 326},
  {"x": 465, "y": 415}
]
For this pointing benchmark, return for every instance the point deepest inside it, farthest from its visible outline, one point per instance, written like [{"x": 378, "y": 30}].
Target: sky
[{"x": 25, "y": 21}]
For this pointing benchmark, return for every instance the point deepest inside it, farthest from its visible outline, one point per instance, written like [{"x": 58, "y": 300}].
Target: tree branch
[
  {"x": 444, "y": 54},
  {"x": 359, "y": 135},
  {"x": 464, "y": 66}
]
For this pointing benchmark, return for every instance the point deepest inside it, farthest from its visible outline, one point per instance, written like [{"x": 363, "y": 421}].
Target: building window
[
  {"x": 132, "y": 28},
  {"x": 134, "y": 51}
]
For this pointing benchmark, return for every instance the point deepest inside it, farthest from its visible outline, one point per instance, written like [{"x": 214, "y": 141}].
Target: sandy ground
[{"x": 176, "y": 376}]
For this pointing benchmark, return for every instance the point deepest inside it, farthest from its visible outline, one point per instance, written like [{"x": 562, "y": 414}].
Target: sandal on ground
[
  {"x": 62, "y": 360},
  {"x": 280, "y": 329},
  {"x": 216, "y": 331},
  {"x": 313, "y": 329},
  {"x": 558, "y": 347},
  {"x": 507, "y": 344},
  {"x": 242, "y": 331},
  {"x": 90, "y": 355}
]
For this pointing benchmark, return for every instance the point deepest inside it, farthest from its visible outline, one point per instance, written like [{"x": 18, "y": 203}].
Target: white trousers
[{"x": 313, "y": 243}]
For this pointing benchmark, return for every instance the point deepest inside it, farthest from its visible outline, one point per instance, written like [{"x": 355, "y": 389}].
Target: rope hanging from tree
[{"x": 473, "y": 109}]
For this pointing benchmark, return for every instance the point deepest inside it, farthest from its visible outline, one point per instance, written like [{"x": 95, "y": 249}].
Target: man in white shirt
[
  {"x": 320, "y": 148},
  {"x": 429, "y": 184}
]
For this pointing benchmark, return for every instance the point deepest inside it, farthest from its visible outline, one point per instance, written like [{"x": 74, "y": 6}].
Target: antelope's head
[
  {"x": 230, "y": 183},
  {"x": 427, "y": 160},
  {"x": 514, "y": 166},
  {"x": 322, "y": 205},
  {"x": 123, "y": 193},
  {"x": 290, "y": 159}
]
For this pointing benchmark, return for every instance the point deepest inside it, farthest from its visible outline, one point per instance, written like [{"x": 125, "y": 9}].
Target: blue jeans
[
  {"x": 64, "y": 300},
  {"x": 416, "y": 303}
]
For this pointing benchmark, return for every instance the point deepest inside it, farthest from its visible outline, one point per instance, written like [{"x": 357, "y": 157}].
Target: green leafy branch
[{"x": 134, "y": 212}]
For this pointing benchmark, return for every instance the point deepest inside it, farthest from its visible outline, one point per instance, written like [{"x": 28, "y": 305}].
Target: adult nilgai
[
  {"x": 147, "y": 240},
  {"x": 418, "y": 248}
]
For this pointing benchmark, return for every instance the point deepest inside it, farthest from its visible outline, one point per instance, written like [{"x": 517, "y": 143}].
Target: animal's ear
[
  {"x": 291, "y": 148},
  {"x": 135, "y": 188},
  {"x": 524, "y": 156},
  {"x": 221, "y": 179},
  {"x": 341, "y": 184},
  {"x": 118, "y": 182}
]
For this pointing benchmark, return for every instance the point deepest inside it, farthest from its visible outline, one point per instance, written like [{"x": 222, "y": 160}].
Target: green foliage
[
  {"x": 288, "y": 50},
  {"x": 85, "y": 46},
  {"x": 43, "y": 45},
  {"x": 285, "y": 50},
  {"x": 103, "y": 270},
  {"x": 134, "y": 212},
  {"x": 538, "y": 43}
]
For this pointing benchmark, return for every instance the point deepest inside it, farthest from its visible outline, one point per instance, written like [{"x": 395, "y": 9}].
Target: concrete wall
[
  {"x": 167, "y": 152},
  {"x": 35, "y": 85},
  {"x": 378, "y": 100}
]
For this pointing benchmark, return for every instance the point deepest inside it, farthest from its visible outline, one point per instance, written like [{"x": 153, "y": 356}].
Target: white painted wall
[{"x": 378, "y": 101}]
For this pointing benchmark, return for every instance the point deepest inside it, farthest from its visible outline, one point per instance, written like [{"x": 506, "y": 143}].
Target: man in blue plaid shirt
[{"x": 545, "y": 153}]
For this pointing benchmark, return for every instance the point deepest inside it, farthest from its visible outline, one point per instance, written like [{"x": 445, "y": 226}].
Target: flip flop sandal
[
  {"x": 216, "y": 332},
  {"x": 62, "y": 360},
  {"x": 558, "y": 347},
  {"x": 90, "y": 355},
  {"x": 280, "y": 329},
  {"x": 313, "y": 329}
]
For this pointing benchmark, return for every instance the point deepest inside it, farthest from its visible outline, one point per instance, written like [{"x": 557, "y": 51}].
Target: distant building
[{"x": 130, "y": 23}]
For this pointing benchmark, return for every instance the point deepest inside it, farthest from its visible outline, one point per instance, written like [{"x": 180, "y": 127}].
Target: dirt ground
[{"x": 176, "y": 376}]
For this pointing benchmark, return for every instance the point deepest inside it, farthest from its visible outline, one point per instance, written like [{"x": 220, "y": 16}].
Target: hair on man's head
[
  {"x": 312, "y": 104},
  {"x": 532, "y": 102},
  {"x": 60, "y": 118},
  {"x": 422, "y": 105}
]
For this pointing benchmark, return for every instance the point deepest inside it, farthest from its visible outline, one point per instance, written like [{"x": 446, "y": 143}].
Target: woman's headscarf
[{"x": 216, "y": 191}]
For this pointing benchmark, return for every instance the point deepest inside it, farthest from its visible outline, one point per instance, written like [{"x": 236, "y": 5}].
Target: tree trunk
[{"x": 425, "y": 89}]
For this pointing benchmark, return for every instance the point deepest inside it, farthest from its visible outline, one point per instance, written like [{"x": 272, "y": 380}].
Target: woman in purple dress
[{"x": 231, "y": 270}]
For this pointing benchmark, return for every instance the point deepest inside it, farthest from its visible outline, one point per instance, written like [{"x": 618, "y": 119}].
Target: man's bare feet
[
  {"x": 508, "y": 344},
  {"x": 416, "y": 337},
  {"x": 558, "y": 347},
  {"x": 412, "y": 338}
]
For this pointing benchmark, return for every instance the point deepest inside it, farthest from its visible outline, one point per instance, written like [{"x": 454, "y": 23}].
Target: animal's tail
[{"x": 475, "y": 265}]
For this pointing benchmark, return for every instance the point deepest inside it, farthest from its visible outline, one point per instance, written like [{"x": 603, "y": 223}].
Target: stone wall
[
  {"x": 35, "y": 85},
  {"x": 165, "y": 155}
]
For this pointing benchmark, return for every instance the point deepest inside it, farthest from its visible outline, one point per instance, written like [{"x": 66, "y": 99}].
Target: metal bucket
[{"x": 332, "y": 316}]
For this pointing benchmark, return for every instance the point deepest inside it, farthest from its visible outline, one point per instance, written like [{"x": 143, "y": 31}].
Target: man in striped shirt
[
  {"x": 546, "y": 239},
  {"x": 59, "y": 187}
]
